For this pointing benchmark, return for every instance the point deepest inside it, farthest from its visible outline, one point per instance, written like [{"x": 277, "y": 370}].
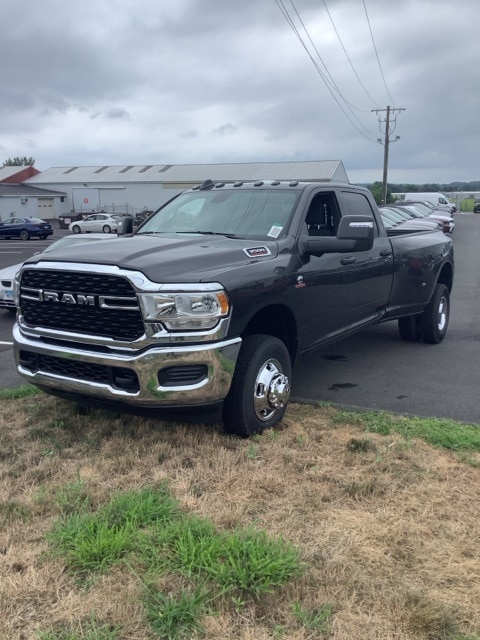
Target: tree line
[{"x": 434, "y": 187}]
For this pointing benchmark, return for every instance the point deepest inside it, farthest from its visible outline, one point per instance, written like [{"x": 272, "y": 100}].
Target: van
[{"x": 438, "y": 199}]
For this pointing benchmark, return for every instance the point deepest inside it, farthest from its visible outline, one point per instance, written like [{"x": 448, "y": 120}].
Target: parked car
[
  {"x": 476, "y": 206},
  {"x": 395, "y": 218},
  {"x": 423, "y": 210},
  {"x": 437, "y": 199},
  {"x": 7, "y": 275},
  {"x": 96, "y": 222},
  {"x": 25, "y": 228}
]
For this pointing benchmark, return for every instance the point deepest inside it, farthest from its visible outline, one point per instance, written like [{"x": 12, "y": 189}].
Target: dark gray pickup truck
[{"x": 211, "y": 300}]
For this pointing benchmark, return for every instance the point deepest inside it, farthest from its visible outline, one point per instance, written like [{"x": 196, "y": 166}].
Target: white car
[
  {"x": 7, "y": 275},
  {"x": 96, "y": 222}
]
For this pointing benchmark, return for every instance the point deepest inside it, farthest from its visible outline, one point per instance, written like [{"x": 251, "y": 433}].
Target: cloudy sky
[{"x": 112, "y": 82}]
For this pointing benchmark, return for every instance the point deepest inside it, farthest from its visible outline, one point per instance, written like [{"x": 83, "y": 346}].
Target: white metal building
[
  {"x": 30, "y": 202},
  {"x": 135, "y": 188}
]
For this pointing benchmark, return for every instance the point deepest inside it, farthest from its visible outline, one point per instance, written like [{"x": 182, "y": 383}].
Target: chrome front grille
[{"x": 94, "y": 318}]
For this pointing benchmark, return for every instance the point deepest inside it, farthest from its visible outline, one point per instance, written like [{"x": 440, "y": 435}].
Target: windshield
[{"x": 243, "y": 213}]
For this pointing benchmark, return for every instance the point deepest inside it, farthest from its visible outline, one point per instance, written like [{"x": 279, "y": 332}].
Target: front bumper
[{"x": 157, "y": 377}]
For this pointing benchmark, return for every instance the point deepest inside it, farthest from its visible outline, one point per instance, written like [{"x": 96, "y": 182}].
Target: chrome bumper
[{"x": 217, "y": 359}]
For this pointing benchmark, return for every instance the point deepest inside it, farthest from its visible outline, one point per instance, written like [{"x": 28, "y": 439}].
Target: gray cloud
[
  {"x": 225, "y": 129},
  {"x": 197, "y": 81},
  {"x": 118, "y": 113}
]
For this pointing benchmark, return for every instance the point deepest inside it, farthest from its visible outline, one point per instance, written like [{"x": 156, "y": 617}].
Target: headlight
[{"x": 187, "y": 311}]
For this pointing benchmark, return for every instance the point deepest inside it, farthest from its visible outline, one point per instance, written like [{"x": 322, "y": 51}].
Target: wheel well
[
  {"x": 276, "y": 321},
  {"x": 446, "y": 276}
]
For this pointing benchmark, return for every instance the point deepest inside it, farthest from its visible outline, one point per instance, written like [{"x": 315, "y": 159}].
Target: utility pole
[{"x": 389, "y": 129}]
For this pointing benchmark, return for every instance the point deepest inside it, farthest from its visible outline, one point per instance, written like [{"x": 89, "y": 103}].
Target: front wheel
[
  {"x": 76, "y": 229},
  {"x": 260, "y": 388}
]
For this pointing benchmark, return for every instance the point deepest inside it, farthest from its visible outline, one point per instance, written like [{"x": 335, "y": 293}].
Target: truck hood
[{"x": 169, "y": 258}]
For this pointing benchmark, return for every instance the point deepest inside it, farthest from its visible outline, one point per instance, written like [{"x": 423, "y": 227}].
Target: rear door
[{"x": 373, "y": 269}]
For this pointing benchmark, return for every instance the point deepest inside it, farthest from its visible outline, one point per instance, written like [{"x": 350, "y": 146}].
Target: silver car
[{"x": 96, "y": 222}]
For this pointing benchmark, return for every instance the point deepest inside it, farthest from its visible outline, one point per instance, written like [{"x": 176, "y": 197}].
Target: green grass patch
[
  {"x": 442, "y": 433},
  {"x": 178, "y": 616},
  {"x": 315, "y": 620},
  {"x": 93, "y": 541},
  {"x": 25, "y": 391},
  {"x": 147, "y": 531}
]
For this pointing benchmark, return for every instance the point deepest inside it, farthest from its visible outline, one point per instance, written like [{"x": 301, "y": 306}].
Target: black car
[
  {"x": 476, "y": 206},
  {"x": 25, "y": 228}
]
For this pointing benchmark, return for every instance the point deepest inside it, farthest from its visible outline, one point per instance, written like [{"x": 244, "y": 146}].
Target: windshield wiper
[{"x": 211, "y": 233}]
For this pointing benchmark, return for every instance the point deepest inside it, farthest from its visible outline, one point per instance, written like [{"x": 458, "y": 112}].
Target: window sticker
[{"x": 275, "y": 231}]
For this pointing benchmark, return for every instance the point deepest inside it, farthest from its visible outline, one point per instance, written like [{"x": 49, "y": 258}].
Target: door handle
[
  {"x": 385, "y": 253},
  {"x": 349, "y": 260}
]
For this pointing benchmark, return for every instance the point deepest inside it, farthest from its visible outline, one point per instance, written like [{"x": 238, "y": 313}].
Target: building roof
[
  {"x": 26, "y": 191},
  {"x": 317, "y": 171},
  {"x": 16, "y": 173}
]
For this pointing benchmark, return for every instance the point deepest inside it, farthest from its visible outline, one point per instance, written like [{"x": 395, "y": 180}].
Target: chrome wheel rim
[
  {"x": 442, "y": 314},
  {"x": 272, "y": 390}
]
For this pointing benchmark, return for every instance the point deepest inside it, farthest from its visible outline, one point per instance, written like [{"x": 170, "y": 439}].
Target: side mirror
[
  {"x": 357, "y": 228},
  {"x": 354, "y": 233},
  {"x": 125, "y": 226}
]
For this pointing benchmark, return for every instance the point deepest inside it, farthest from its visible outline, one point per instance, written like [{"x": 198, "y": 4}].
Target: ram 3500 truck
[{"x": 213, "y": 298}]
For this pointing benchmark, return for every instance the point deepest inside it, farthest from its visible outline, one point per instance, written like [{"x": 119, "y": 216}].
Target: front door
[{"x": 337, "y": 292}]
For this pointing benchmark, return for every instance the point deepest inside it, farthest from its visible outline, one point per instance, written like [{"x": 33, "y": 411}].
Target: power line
[
  {"x": 347, "y": 56},
  {"x": 329, "y": 82},
  {"x": 376, "y": 53}
]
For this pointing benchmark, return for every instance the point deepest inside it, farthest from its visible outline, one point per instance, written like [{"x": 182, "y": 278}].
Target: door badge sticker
[
  {"x": 256, "y": 252},
  {"x": 300, "y": 283}
]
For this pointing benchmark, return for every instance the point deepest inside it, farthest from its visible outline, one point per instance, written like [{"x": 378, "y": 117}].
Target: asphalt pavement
[
  {"x": 374, "y": 369},
  {"x": 377, "y": 370}
]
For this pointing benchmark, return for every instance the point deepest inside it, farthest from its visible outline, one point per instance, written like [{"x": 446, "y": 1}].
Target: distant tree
[
  {"x": 19, "y": 162},
  {"x": 376, "y": 190}
]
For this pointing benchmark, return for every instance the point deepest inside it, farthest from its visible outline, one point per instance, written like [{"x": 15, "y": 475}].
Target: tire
[
  {"x": 107, "y": 229},
  {"x": 76, "y": 229},
  {"x": 24, "y": 234},
  {"x": 42, "y": 237},
  {"x": 260, "y": 388},
  {"x": 409, "y": 328},
  {"x": 433, "y": 322}
]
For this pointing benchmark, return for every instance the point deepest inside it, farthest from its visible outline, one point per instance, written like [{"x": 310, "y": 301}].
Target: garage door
[{"x": 45, "y": 208}]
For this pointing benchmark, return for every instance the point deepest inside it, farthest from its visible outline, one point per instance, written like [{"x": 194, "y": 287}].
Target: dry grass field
[{"x": 386, "y": 526}]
